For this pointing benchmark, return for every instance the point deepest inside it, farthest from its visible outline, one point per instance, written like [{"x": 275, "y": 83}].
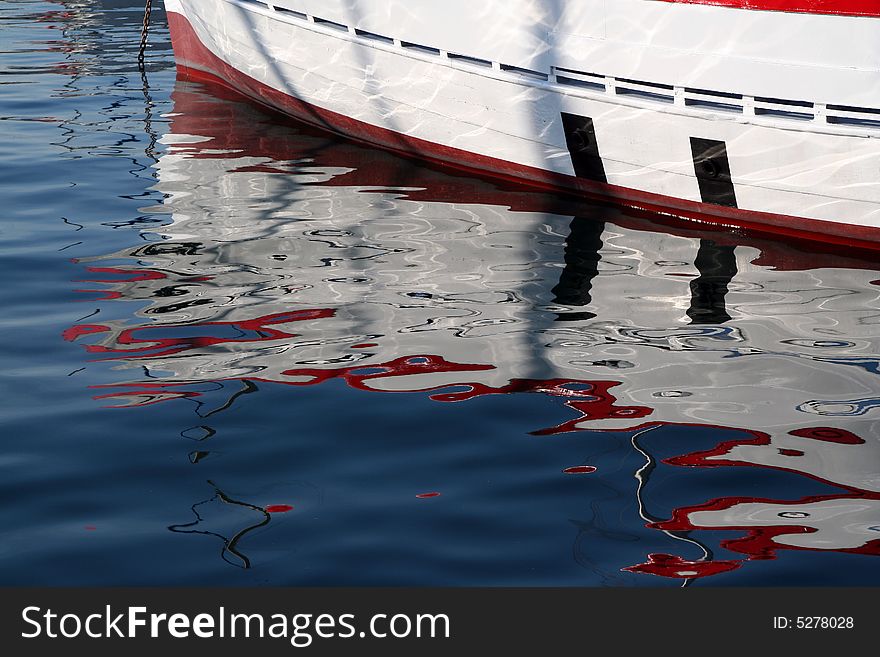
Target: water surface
[{"x": 240, "y": 351}]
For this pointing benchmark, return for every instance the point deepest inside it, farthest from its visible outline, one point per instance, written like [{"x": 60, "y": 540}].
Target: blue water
[{"x": 239, "y": 351}]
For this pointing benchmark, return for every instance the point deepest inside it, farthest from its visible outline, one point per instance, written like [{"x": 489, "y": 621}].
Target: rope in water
[
  {"x": 150, "y": 150},
  {"x": 145, "y": 30}
]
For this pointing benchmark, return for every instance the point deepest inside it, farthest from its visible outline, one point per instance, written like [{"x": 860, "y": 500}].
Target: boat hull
[{"x": 814, "y": 183}]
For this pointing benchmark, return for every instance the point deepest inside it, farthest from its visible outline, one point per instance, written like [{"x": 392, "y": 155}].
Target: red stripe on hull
[
  {"x": 841, "y": 7},
  {"x": 195, "y": 61}
]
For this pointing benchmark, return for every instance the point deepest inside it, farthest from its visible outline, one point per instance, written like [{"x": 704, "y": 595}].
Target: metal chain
[{"x": 145, "y": 30}]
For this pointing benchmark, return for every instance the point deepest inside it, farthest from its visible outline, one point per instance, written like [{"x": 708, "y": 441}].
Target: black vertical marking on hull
[
  {"x": 581, "y": 267},
  {"x": 717, "y": 267},
  {"x": 713, "y": 171},
  {"x": 580, "y": 138}
]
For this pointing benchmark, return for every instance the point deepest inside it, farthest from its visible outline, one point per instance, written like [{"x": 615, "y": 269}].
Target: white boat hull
[{"x": 793, "y": 169}]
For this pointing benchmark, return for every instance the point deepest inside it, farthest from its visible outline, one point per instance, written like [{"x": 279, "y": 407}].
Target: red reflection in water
[
  {"x": 667, "y": 565},
  {"x": 760, "y": 541},
  {"x": 590, "y": 399},
  {"x": 278, "y": 508},
  {"x": 152, "y": 348},
  {"x": 829, "y": 435},
  {"x": 74, "y": 332},
  {"x": 133, "y": 275},
  {"x": 836, "y": 523},
  {"x": 355, "y": 376},
  {"x": 148, "y": 394},
  {"x": 714, "y": 457}
]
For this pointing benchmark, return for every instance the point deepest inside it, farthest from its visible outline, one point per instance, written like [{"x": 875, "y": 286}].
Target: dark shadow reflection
[
  {"x": 717, "y": 267},
  {"x": 581, "y": 267}
]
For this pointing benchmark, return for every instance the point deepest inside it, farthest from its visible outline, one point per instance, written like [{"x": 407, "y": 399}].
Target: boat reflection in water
[{"x": 293, "y": 258}]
